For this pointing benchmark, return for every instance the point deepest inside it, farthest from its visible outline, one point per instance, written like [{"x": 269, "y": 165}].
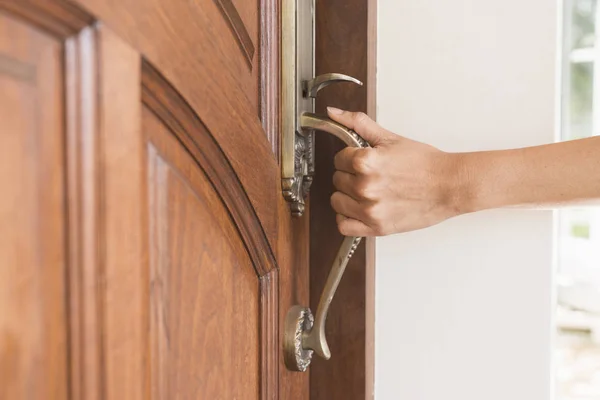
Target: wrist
[
  {"x": 488, "y": 179},
  {"x": 465, "y": 183}
]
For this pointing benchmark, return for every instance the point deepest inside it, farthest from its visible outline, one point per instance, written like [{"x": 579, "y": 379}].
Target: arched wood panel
[
  {"x": 242, "y": 311},
  {"x": 172, "y": 256},
  {"x": 197, "y": 49},
  {"x": 203, "y": 287}
]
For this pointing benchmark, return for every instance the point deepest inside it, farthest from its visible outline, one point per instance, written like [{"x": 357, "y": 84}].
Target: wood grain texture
[
  {"x": 172, "y": 111},
  {"x": 293, "y": 261},
  {"x": 85, "y": 325},
  {"x": 64, "y": 20},
  {"x": 175, "y": 112},
  {"x": 204, "y": 300},
  {"x": 270, "y": 77},
  {"x": 345, "y": 42},
  {"x": 58, "y": 17},
  {"x": 218, "y": 133},
  {"x": 269, "y": 317},
  {"x": 106, "y": 227},
  {"x": 122, "y": 209},
  {"x": 190, "y": 43},
  {"x": 232, "y": 16},
  {"x": 33, "y": 292},
  {"x": 17, "y": 69}
]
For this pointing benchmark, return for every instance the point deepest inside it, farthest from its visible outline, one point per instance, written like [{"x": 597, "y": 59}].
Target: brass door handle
[
  {"x": 312, "y": 86},
  {"x": 305, "y": 334}
]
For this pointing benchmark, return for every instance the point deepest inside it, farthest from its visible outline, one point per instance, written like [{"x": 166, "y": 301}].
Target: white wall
[{"x": 464, "y": 310}]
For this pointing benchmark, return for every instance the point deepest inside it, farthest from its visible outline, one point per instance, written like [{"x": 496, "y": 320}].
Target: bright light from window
[{"x": 578, "y": 316}]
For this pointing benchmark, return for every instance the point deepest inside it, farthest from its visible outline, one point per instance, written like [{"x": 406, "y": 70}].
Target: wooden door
[{"x": 146, "y": 249}]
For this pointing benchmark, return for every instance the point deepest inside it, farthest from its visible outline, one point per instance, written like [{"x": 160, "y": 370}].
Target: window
[{"x": 578, "y": 291}]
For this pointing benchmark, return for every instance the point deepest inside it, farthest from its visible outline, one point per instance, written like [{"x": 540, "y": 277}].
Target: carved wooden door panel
[{"x": 146, "y": 250}]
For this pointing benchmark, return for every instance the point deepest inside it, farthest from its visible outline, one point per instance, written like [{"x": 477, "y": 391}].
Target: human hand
[{"x": 397, "y": 185}]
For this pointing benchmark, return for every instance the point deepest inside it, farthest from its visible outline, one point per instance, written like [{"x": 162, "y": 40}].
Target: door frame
[{"x": 346, "y": 42}]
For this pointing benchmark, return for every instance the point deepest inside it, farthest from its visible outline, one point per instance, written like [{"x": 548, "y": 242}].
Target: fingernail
[{"x": 334, "y": 110}]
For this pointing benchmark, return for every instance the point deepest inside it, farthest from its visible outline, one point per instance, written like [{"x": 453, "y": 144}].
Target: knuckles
[
  {"x": 337, "y": 202},
  {"x": 365, "y": 189},
  {"x": 363, "y": 161},
  {"x": 342, "y": 156},
  {"x": 338, "y": 180},
  {"x": 333, "y": 200},
  {"x": 360, "y": 118},
  {"x": 344, "y": 228},
  {"x": 375, "y": 214},
  {"x": 381, "y": 230},
  {"x": 373, "y": 217}
]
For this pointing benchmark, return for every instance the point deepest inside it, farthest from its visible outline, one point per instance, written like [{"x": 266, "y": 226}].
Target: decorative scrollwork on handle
[
  {"x": 295, "y": 190},
  {"x": 303, "y": 332}
]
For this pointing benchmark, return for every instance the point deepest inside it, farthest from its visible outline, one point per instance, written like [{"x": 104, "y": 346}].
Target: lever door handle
[
  {"x": 312, "y": 87},
  {"x": 305, "y": 334}
]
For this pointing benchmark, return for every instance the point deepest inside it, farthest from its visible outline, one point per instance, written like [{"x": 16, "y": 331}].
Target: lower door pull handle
[{"x": 305, "y": 334}]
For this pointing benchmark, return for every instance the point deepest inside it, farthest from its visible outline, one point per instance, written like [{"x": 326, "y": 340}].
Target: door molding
[{"x": 172, "y": 109}]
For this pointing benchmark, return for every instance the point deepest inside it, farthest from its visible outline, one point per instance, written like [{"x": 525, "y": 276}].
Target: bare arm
[
  {"x": 401, "y": 185},
  {"x": 550, "y": 175}
]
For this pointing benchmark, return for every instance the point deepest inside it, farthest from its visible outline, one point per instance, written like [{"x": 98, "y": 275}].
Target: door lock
[
  {"x": 299, "y": 87},
  {"x": 304, "y": 334},
  {"x": 297, "y": 157}
]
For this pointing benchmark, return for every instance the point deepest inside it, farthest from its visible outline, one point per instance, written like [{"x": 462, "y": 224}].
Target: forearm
[
  {"x": 549, "y": 175},
  {"x": 400, "y": 185}
]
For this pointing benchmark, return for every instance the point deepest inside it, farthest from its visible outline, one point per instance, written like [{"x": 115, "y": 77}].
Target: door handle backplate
[
  {"x": 299, "y": 87},
  {"x": 297, "y": 67},
  {"x": 304, "y": 334}
]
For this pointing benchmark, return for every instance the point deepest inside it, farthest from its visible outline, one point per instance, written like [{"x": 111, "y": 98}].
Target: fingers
[
  {"x": 355, "y": 187},
  {"x": 350, "y": 212},
  {"x": 352, "y": 227},
  {"x": 343, "y": 160},
  {"x": 345, "y": 183},
  {"x": 361, "y": 123},
  {"x": 355, "y": 179},
  {"x": 346, "y": 205},
  {"x": 355, "y": 161}
]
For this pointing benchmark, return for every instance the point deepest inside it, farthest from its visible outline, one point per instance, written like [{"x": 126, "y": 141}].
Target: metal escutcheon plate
[{"x": 298, "y": 321}]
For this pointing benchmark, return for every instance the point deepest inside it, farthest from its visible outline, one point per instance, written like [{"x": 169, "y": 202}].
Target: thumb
[{"x": 361, "y": 123}]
